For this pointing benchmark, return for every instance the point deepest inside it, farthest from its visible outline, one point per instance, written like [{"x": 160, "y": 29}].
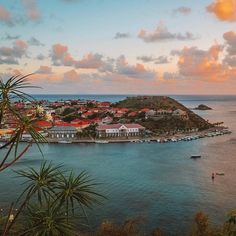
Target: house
[
  {"x": 164, "y": 112},
  {"x": 181, "y": 114},
  {"x": 107, "y": 120},
  {"x": 43, "y": 124},
  {"x": 145, "y": 110},
  {"x": 104, "y": 104},
  {"x": 62, "y": 132},
  {"x": 151, "y": 113},
  {"x": 132, "y": 114},
  {"x": 120, "y": 130}
]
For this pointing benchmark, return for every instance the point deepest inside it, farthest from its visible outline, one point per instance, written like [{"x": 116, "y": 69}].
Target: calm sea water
[{"x": 158, "y": 182}]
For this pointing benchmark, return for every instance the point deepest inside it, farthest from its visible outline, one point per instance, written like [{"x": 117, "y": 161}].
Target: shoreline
[{"x": 190, "y": 136}]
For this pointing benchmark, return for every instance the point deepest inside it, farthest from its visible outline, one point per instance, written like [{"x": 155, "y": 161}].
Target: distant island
[
  {"x": 202, "y": 107},
  {"x": 138, "y": 118}
]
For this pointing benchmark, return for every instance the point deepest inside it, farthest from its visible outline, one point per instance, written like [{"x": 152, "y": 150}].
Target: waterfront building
[
  {"x": 62, "y": 132},
  {"x": 120, "y": 130},
  {"x": 181, "y": 114}
]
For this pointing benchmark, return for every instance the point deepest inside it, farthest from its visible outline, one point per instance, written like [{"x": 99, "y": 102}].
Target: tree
[
  {"x": 48, "y": 204},
  {"x": 9, "y": 91}
]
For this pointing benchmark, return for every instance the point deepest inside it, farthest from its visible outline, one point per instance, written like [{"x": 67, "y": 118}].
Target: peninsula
[{"x": 135, "y": 118}]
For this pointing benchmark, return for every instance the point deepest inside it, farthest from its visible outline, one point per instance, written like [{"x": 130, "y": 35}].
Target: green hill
[{"x": 164, "y": 122}]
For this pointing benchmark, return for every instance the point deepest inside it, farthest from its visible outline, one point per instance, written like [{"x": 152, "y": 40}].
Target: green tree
[{"x": 49, "y": 201}]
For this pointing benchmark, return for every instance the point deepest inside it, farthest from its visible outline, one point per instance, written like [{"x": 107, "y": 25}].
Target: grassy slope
[{"x": 167, "y": 123}]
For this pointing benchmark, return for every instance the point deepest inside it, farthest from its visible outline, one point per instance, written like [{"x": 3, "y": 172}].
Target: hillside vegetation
[{"x": 166, "y": 122}]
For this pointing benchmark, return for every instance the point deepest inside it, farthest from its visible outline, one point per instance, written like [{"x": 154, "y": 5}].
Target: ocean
[{"x": 158, "y": 182}]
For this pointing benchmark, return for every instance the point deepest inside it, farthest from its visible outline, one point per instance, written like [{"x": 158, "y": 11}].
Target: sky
[{"x": 120, "y": 46}]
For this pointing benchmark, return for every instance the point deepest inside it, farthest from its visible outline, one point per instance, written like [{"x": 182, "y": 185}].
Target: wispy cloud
[
  {"x": 31, "y": 9},
  {"x": 34, "y": 42},
  {"x": 11, "y": 55},
  {"x": 161, "y": 33},
  {"x": 5, "y": 16},
  {"x": 182, "y": 10},
  {"x": 156, "y": 60},
  {"x": 121, "y": 35},
  {"x": 44, "y": 70}
]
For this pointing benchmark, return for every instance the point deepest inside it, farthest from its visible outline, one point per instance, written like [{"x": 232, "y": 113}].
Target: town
[{"x": 68, "y": 121}]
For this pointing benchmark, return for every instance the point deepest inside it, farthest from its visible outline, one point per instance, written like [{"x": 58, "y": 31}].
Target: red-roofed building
[
  {"x": 144, "y": 110},
  {"x": 43, "y": 124},
  {"x": 120, "y": 130},
  {"x": 132, "y": 114},
  {"x": 104, "y": 104}
]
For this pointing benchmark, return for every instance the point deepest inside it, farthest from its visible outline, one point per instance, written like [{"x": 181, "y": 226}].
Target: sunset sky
[{"x": 121, "y": 46}]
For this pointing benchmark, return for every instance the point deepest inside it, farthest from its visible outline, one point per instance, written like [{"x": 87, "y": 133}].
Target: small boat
[
  {"x": 64, "y": 141},
  {"x": 220, "y": 173},
  {"x": 195, "y": 156},
  {"x": 101, "y": 141}
]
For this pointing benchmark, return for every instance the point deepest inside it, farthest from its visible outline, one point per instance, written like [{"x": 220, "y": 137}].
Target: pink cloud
[
  {"x": 61, "y": 56},
  {"x": 31, "y": 9},
  {"x": 44, "y": 70},
  {"x": 71, "y": 75},
  {"x": 161, "y": 33},
  {"x": 10, "y": 55},
  {"x": 5, "y": 16}
]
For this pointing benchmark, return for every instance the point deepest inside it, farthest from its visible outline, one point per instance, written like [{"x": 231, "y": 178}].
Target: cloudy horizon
[{"x": 115, "y": 47}]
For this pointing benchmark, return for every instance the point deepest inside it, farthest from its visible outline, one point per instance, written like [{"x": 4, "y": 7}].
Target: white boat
[
  {"x": 101, "y": 141},
  {"x": 64, "y": 141}
]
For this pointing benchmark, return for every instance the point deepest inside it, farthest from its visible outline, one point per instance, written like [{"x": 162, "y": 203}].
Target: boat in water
[
  {"x": 221, "y": 173},
  {"x": 195, "y": 156},
  {"x": 101, "y": 141},
  {"x": 64, "y": 141}
]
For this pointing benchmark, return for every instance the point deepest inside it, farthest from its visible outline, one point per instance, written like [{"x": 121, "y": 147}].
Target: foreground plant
[
  {"x": 49, "y": 219},
  {"x": 51, "y": 200},
  {"x": 10, "y": 91}
]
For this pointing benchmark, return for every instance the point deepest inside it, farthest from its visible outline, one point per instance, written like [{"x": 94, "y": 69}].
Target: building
[
  {"x": 120, "y": 130},
  {"x": 181, "y": 114},
  {"x": 62, "y": 132}
]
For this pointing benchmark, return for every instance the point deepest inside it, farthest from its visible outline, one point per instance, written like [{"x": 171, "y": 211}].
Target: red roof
[
  {"x": 145, "y": 110},
  {"x": 117, "y": 126},
  {"x": 132, "y": 113},
  {"x": 44, "y": 123}
]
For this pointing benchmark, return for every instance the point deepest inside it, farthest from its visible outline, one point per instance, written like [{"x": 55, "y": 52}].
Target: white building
[
  {"x": 118, "y": 130},
  {"x": 62, "y": 132}
]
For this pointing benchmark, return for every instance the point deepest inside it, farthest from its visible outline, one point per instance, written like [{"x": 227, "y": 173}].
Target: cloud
[
  {"x": 133, "y": 71},
  {"x": 61, "y": 56},
  {"x": 196, "y": 62},
  {"x": 103, "y": 65},
  {"x": 224, "y": 10},
  {"x": 34, "y": 42},
  {"x": 182, "y": 10},
  {"x": 121, "y": 35},
  {"x": 230, "y": 38},
  {"x": 90, "y": 61},
  {"x": 40, "y": 57},
  {"x": 10, "y": 37},
  {"x": 161, "y": 33},
  {"x": 10, "y": 55},
  {"x": 162, "y": 60},
  {"x": 5, "y": 16},
  {"x": 31, "y": 9},
  {"x": 71, "y": 75},
  {"x": 171, "y": 76},
  {"x": 156, "y": 60},
  {"x": 44, "y": 70},
  {"x": 230, "y": 44},
  {"x": 230, "y": 60},
  {"x": 201, "y": 64}
]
